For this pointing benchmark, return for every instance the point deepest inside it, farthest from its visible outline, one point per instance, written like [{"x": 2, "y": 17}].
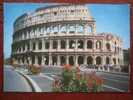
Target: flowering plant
[{"x": 72, "y": 80}]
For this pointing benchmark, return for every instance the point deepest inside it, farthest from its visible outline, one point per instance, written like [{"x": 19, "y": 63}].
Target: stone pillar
[
  {"x": 94, "y": 44},
  {"x": 36, "y": 45},
  {"x": 50, "y": 59},
  {"x": 76, "y": 60},
  {"x": 43, "y": 44},
  {"x": 85, "y": 59},
  {"x": 94, "y": 60},
  {"x": 76, "y": 45},
  {"x": 67, "y": 29},
  {"x": 25, "y": 47},
  {"x": 59, "y": 44},
  {"x": 58, "y": 60},
  {"x": 67, "y": 59},
  {"x": 59, "y": 28},
  {"x": 67, "y": 44},
  {"x": 51, "y": 44},
  {"x": 31, "y": 45},
  {"x": 85, "y": 44},
  {"x": 94, "y": 28},
  {"x": 85, "y": 28},
  {"x": 36, "y": 60},
  {"x": 42, "y": 62}
]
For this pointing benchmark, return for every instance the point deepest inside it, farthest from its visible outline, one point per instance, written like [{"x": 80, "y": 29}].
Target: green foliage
[{"x": 72, "y": 81}]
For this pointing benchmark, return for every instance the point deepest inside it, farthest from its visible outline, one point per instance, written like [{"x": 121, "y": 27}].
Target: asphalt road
[
  {"x": 14, "y": 82},
  {"x": 115, "y": 82},
  {"x": 45, "y": 83}
]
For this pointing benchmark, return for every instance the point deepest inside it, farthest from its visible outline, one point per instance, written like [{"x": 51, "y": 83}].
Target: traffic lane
[
  {"x": 118, "y": 85},
  {"x": 44, "y": 83},
  {"x": 14, "y": 82},
  {"x": 121, "y": 78}
]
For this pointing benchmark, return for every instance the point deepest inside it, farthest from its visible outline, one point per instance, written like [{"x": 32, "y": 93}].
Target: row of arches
[
  {"x": 55, "y": 60},
  {"x": 79, "y": 44}
]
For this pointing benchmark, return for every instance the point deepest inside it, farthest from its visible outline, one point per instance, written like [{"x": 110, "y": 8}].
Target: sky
[{"x": 110, "y": 18}]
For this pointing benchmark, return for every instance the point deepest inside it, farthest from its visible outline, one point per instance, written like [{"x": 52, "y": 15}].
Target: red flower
[{"x": 67, "y": 67}]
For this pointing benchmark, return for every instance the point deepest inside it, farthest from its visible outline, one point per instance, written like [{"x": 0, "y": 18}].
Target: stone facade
[{"x": 63, "y": 34}]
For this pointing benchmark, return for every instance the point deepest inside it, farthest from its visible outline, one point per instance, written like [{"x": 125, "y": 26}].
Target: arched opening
[
  {"x": 55, "y": 44},
  {"x": 55, "y": 30},
  {"x": 108, "y": 46},
  {"x": 71, "y": 44},
  {"x": 63, "y": 44},
  {"x": 107, "y": 60},
  {"x": 89, "y": 44},
  {"x": 72, "y": 29},
  {"x": 40, "y": 45},
  {"x": 47, "y": 60},
  {"x": 39, "y": 60},
  {"x": 33, "y": 59},
  {"x": 34, "y": 46},
  {"x": 71, "y": 60},
  {"x": 80, "y": 60},
  {"x": 118, "y": 61},
  {"x": 63, "y": 29},
  {"x": 98, "y": 60},
  {"x": 62, "y": 59},
  {"x": 89, "y": 29},
  {"x": 54, "y": 60},
  {"x": 80, "y": 44},
  {"x": 98, "y": 45},
  {"x": 28, "y": 46},
  {"x": 80, "y": 29},
  {"x": 89, "y": 60},
  {"x": 47, "y": 45},
  {"x": 114, "y": 60}
]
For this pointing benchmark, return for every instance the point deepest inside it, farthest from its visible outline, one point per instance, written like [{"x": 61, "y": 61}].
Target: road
[
  {"x": 112, "y": 82},
  {"x": 115, "y": 82},
  {"x": 44, "y": 82},
  {"x": 15, "y": 82}
]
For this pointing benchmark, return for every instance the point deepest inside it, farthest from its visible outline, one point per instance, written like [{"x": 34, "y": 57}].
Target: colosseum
[{"x": 63, "y": 34}]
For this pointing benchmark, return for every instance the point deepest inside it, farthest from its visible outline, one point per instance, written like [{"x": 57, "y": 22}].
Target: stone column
[
  {"x": 67, "y": 44},
  {"x": 94, "y": 28},
  {"x": 31, "y": 45},
  {"x": 94, "y": 60},
  {"x": 43, "y": 44},
  {"x": 94, "y": 44},
  {"x": 76, "y": 44},
  {"x": 25, "y": 47},
  {"x": 85, "y": 59},
  {"x": 58, "y": 60},
  {"x": 59, "y": 44},
  {"x": 50, "y": 59},
  {"x": 67, "y": 59},
  {"x": 42, "y": 62},
  {"x": 36, "y": 60},
  {"x": 51, "y": 44},
  {"x": 67, "y": 29},
  {"x": 59, "y": 28},
  {"x": 85, "y": 28},
  {"x": 36, "y": 45},
  {"x": 85, "y": 44},
  {"x": 76, "y": 60}
]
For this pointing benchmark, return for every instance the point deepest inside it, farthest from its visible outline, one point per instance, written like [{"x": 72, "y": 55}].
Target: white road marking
[
  {"x": 34, "y": 84},
  {"x": 50, "y": 78},
  {"x": 106, "y": 86}
]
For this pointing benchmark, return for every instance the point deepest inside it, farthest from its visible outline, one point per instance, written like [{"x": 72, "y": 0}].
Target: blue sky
[{"x": 113, "y": 18}]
